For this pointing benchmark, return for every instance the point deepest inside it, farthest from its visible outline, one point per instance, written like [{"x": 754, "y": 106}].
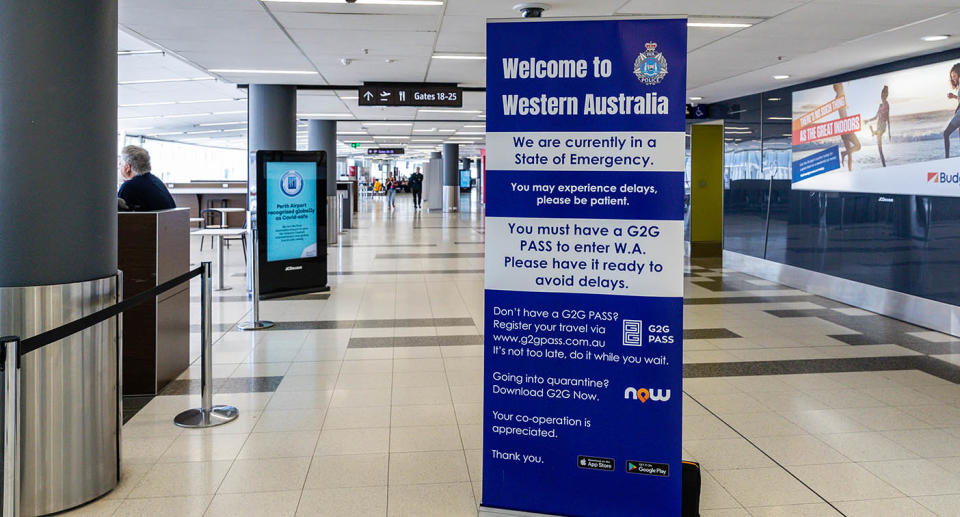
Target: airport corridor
[{"x": 368, "y": 400}]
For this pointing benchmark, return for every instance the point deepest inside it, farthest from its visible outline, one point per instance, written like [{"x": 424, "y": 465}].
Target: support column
[
  {"x": 58, "y": 142},
  {"x": 271, "y": 126},
  {"x": 433, "y": 182},
  {"x": 322, "y": 136},
  {"x": 451, "y": 177},
  {"x": 706, "y": 191},
  {"x": 271, "y": 118},
  {"x": 58, "y": 235}
]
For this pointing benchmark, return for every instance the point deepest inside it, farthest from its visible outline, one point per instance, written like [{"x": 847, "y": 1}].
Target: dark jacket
[
  {"x": 416, "y": 181},
  {"x": 145, "y": 192}
]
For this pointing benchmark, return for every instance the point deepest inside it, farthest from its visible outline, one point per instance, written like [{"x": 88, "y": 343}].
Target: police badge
[{"x": 650, "y": 66}]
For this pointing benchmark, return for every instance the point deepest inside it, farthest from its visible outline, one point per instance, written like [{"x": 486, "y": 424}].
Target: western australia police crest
[{"x": 650, "y": 103}]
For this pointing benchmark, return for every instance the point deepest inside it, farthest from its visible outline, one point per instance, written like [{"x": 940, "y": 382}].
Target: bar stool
[{"x": 209, "y": 216}]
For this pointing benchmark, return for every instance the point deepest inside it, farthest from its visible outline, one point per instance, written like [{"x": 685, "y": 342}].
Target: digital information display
[
  {"x": 891, "y": 133},
  {"x": 291, "y": 211},
  {"x": 583, "y": 317}
]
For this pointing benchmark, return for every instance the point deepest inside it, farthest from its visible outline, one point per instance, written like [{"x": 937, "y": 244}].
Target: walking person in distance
[{"x": 416, "y": 187}]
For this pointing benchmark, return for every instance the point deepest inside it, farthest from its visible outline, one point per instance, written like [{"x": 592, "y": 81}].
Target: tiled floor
[{"x": 368, "y": 401}]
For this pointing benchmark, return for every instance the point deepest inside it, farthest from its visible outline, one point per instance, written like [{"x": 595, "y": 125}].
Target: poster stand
[
  {"x": 583, "y": 284},
  {"x": 291, "y": 220}
]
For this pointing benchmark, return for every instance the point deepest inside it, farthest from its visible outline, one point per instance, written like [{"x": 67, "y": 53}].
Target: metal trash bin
[{"x": 346, "y": 209}]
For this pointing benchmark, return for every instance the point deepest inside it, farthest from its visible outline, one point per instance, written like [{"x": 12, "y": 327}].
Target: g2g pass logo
[
  {"x": 291, "y": 183},
  {"x": 650, "y": 66},
  {"x": 644, "y": 394}
]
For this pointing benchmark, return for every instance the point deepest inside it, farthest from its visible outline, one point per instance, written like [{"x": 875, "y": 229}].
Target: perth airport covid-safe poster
[{"x": 896, "y": 132}]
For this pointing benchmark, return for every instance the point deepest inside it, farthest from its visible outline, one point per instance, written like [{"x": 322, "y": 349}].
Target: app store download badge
[
  {"x": 647, "y": 468},
  {"x": 594, "y": 463}
]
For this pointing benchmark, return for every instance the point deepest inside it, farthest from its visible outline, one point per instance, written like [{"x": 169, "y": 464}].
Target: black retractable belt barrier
[
  {"x": 12, "y": 348},
  {"x": 45, "y": 338}
]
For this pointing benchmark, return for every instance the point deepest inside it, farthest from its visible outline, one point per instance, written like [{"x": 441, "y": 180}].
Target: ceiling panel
[
  {"x": 806, "y": 39},
  {"x": 558, "y": 8},
  {"x": 341, "y": 22},
  {"x": 387, "y": 43},
  {"x": 733, "y": 8},
  {"x": 277, "y": 56},
  {"x": 698, "y": 37},
  {"x": 354, "y": 9},
  {"x": 408, "y": 68},
  {"x": 465, "y": 72}
]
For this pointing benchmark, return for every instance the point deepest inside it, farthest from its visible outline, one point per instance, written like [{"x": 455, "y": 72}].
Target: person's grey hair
[{"x": 137, "y": 157}]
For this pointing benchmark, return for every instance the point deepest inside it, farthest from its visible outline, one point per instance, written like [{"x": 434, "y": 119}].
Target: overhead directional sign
[
  {"x": 411, "y": 94},
  {"x": 385, "y": 150}
]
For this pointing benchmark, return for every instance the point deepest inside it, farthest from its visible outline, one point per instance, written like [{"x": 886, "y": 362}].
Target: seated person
[{"x": 141, "y": 191}]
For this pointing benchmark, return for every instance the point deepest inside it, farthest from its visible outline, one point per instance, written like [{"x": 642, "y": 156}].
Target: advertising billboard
[{"x": 887, "y": 133}]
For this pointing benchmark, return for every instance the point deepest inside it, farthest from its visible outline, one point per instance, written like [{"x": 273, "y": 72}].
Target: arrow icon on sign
[{"x": 367, "y": 95}]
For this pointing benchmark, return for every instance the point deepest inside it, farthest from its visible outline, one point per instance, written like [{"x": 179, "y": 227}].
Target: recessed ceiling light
[
  {"x": 351, "y": 132},
  {"x": 781, "y": 77},
  {"x": 310, "y": 115},
  {"x": 137, "y": 52},
  {"x": 779, "y": 118},
  {"x": 775, "y": 99},
  {"x": 720, "y": 25},
  {"x": 448, "y": 130},
  {"x": 458, "y": 56},
  {"x": 349, "y": 98},
  {"x": 171, "y": 103},
  {"x": 171, "y": 80},
  {"x": 235, "y": 123},
  {"x": 431, "y": 130},
  {"x": 368, "y": 2},
  {"x": 448, "y": 111},
  {"x": 258, "y": 71},
  {"x": 938, "y": 37},
  {"x": 696, "y": 98}
]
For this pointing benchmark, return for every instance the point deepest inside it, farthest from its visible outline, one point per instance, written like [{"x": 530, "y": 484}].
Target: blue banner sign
[
  {"x": 816, "y": 164},
  {"x": 584, "y": 266}
]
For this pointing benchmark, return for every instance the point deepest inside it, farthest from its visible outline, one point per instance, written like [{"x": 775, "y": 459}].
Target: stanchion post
[
  {"x": 206, "y": 337},
  {"x": 11, "y": 425},
  {"x": 256, "y": 323},
  {"x": 220, "y": 285},
  {"x": 207, "y": 415}
]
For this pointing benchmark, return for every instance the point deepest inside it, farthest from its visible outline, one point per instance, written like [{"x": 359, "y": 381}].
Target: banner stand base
[{"x": 490, "y": 511}]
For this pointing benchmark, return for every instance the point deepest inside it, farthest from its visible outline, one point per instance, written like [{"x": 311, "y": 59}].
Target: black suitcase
[{"x": 690, "y": 498}]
